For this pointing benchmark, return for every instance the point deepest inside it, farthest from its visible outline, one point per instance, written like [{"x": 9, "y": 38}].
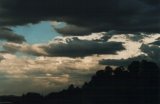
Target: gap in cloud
[{"x": 36, "y": 33}]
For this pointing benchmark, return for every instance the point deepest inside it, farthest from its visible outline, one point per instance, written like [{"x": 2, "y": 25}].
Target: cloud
[
  {"x": 150, "y": 52},
  {"x": 2, "y": 57},
  {"x": 136, "y": 37},
  {"x": 80, "y": 48},
  {"x": 72, "y": 47},
  {"x": 158, "y": 38},
  {"x": 8, "y": 35},
  {"x": 138, "y": 47},
  {"x": 44, "y": 74},
  {"x": 153, "y": 52},
  {"x": 156, "y": 43},
  {"x": 85, "y": 16},
  {"x": 73, "y": 30},
  {"x": 24, "y": 48},
  {"x": 122, "y": 62}
]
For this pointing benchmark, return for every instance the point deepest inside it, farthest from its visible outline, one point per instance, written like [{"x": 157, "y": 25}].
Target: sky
[
  {"x": 46, "y": 45},
  {"x": 43, "y": 30}
]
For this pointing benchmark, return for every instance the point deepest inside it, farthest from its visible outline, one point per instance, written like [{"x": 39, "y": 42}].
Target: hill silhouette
[{"x": 137, "y": 84}]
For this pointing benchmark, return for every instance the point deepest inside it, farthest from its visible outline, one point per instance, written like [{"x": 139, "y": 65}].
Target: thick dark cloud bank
[{"x": 85, "y": 16}]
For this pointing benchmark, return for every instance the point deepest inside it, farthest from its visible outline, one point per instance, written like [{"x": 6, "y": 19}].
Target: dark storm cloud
[
  {"x": 8, "y": 35},
  {"x": 81, "y": 48},
  {"x": 122, "y": 62},
  {"x": 156, "y": 43},
  {"x": 73, "y": 30},
  {"x": 136, "y": 37},
  {"x": 158, "y": 38},
  {"x": 153, "y": 52},
  {"x": 86, "y": 16},
  {"x": 72, "y": 48}
]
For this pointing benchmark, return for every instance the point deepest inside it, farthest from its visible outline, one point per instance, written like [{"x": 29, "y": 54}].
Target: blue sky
[{"x": 36, "y": 33}]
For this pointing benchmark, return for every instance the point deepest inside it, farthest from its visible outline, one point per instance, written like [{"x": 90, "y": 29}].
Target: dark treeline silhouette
[{"x": 138, "y": 84}]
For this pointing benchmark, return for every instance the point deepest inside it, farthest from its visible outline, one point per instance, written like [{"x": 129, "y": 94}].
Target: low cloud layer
[
  {"x": 86, "y": 16},
  {"x": 44, "y": 74},
  {"x": 24, "y": 48},
  {"x": 122, "y": 62},
  {"x": 73, "y": 47},
  {"x": 80, "y": 48}
]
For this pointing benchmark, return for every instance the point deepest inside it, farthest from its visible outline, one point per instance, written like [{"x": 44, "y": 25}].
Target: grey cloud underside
[
  {"x": 158, "y": 38},
  {"x": 122, "y": 62},
  {"x": 152, "y": 53},
  {"x": 8, "y": 35},
  {"x": 86, "y": 15},
  {"x": 73, "y": 30},
  {"x": 136, "y": 37},
  {"x": 72, "y": 48},
  {"x": 156, "y": 43},
  {"x": 81, "y": 48}
]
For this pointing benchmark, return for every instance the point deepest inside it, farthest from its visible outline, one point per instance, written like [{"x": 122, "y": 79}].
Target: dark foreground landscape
[{"x": 138, "y": 84}]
